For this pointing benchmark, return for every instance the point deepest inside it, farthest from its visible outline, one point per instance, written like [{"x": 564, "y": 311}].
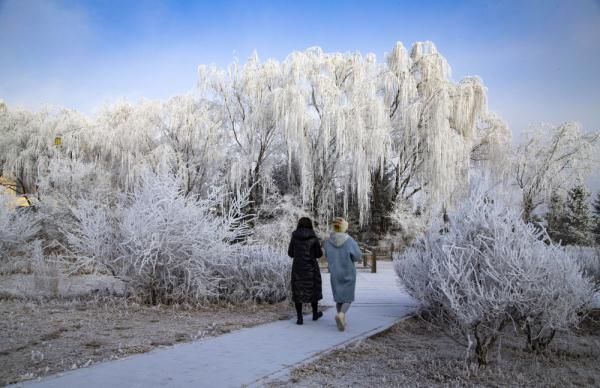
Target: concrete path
[{"x": 253, "y": 356}]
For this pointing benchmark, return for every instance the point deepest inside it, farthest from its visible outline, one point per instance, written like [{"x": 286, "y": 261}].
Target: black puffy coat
[{"x": 306, "y": 275}]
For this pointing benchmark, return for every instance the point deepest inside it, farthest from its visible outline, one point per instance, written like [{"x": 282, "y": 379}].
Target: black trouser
[{"x": 314, "y": 305}]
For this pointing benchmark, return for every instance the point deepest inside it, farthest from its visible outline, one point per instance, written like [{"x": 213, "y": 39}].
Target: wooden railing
[{"x": 370, "y": 256}]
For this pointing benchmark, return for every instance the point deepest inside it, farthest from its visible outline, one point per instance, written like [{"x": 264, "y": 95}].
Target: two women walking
[{"x": 341, "y": 252}]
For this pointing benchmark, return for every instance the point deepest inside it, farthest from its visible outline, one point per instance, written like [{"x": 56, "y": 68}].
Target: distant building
[{"x": 9, "y": 187}]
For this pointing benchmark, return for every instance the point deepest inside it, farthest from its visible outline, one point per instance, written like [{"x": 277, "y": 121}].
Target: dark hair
[{"x": 305, "y": 222}]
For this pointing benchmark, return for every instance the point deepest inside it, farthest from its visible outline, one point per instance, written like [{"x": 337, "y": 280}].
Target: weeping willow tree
[
  {"x": 189, "y": 139},
  {"x": 125, "y": 136},
  {"x": 352, "y": 130},
  {"x": 244, "y": 97},
  {"x": 27, "y": 142},
  {"x": 335, "y": 127},
  {"x": 435, "y": 122}
]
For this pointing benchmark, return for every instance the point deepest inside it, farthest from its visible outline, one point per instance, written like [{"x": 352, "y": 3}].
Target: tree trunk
[{"x": 527, "y": 209}]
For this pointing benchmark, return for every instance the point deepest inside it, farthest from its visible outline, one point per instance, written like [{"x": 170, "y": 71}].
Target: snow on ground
[{"x": 31, "y": 286}]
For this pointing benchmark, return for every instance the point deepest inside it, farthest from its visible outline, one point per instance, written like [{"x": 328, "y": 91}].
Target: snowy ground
[
  {"x": 31, "y": 286},
  {"x": 257, "y": 355}
]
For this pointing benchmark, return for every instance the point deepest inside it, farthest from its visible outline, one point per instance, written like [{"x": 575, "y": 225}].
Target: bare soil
[
  {"x": 414, "y": 353},
  {"x": 40, "y": 337}
]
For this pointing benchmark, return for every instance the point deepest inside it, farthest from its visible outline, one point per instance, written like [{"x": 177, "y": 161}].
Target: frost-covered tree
[
  {"x": 578, "y": 221},
  {"x": 434, "y": 119},
  {"x": 490, "y": 153},
  {"x": 438, "y": 127},
  {"x": 551, "y": 158},
  {"x": 346, "y": 126},
  {"x": 123, "y": 137},
  {"x": 556, "y": 218},
  {"x": 245, "y": 97},
  {"x": 189, "y": 137},
  {"x": 334, "y": 125},
  {"x": 27, "y": 143},
  {"x": 596, "y": 219},
  {"x": 409, "y": 220}
]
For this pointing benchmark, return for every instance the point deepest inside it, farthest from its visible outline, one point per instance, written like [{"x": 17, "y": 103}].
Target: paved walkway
[{"x": 255, "y": 355}]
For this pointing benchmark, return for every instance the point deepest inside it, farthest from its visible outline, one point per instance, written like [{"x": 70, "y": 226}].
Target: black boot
[
  {"x": 316, "y": 313},
  {"x": 300, "y": 320}
]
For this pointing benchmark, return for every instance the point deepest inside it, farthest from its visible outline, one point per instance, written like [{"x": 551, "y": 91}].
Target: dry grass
[
  {"x": 415, "y": 354},
  {"x": 44, "y": 337}
]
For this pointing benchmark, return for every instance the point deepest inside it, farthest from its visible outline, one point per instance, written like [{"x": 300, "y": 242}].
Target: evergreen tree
[
  {"x": 556, "y": 218},
  {"x": 596, "y": 219},
  {"x": 578, "y": 218}
]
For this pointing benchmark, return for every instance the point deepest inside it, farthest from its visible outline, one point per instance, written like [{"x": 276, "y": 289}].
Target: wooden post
[
  {"x": 374, "y": 262},
  {"x": 392, "y": 252},
  {"x": 365, "y": 264}
]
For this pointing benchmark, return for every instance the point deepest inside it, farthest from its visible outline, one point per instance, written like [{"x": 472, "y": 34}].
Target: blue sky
[{"x": 539, "y": 59}]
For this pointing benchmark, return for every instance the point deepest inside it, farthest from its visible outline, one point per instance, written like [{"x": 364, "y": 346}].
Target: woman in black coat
[{"x": 305, "y": 249}]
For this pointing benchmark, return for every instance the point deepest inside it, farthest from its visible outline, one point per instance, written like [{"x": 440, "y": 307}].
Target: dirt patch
[
  {"x": 38, "y": 338},
  {"x": 414, "y": 354}
]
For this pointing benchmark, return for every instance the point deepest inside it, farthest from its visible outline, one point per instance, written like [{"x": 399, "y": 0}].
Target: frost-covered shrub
[
  {"x": 91, "y": 237},
  {"x": 409, "y": 223},
  {"x": 170, "y": 243},
  {"x": 67, "y": 188},
  {"x": 173, "y": 248},
  {"x": 589, "y": 260},
  {"x": 17, "y": 228},
  {"x": 258, "y": 274},
  {"x": 278, "y": 217},
  {"x": 487, "y": 269},
  {"x": 554, "y": 294}
]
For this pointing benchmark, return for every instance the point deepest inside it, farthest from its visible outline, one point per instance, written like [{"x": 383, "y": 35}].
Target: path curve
[{"x": 252, "y": 356}]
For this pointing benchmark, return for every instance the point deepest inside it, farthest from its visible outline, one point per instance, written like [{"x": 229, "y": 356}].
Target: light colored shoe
[{"x": 340, "y": 321}]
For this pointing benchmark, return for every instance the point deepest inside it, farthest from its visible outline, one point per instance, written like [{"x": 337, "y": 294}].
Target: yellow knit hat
[{"x": 340, "y": 225}]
